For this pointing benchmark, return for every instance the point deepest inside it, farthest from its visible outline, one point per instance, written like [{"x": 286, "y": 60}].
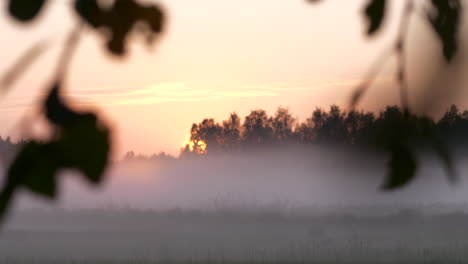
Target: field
[
  {"x": 275, "y": 208},
  {"x": 224, "y": 236}
]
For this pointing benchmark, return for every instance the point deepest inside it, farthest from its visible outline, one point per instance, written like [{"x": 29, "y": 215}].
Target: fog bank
[{"x": 284, "y": 178}]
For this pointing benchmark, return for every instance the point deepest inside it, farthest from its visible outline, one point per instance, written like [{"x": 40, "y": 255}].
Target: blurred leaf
[
  {"x": 80, "y": 142},
  {"x": 374, "y": 13},
  {"x": 445, "y": 18},
  {"x": 25, "y": 10},
  {"x": 402, "y": 167},
  {"x": 35, "y": 167},
  {"x": 80, "y": 133},
  {"x": 85, "y": 145},
  {"x": 22, "y": 64},
  {"x": 121, "y": 19},
  {"x": 89, "y": 11},
  {"x": 55, "y": 110}
]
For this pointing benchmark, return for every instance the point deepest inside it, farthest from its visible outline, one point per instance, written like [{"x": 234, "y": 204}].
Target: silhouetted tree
[
  {"x": 231, "y": 134},
  {"x": 305, "y": 132},
  {"x": 363, "y": 129},
  {"x": 332, "y": 127},
  {"x": 333, "y": 130},
  {"x": 257, "y": 128},
  {"x": 209, "y": 132},
  {"x": 453, "y": 126},
  {"x": 283, "y": 124},
  {"x": 450, "y": 117},
  {"x": 319, "y": 119}
]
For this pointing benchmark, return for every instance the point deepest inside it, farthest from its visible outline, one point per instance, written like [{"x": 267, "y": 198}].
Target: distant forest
[
  {"x": 8, "y": 149},
  {"x": 334, "y": 127}
]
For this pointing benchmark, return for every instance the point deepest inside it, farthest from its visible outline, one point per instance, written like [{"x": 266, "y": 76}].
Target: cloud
[
  {"x": 182, "y": 92},
  {"x": 162, "y": 93}
]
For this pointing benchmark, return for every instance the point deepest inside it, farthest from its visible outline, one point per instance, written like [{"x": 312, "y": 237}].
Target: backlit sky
[{"x": 216, "y": 57}]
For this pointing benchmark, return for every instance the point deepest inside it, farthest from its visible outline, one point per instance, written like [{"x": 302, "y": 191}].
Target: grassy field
[{"x": 233, "y": 237}]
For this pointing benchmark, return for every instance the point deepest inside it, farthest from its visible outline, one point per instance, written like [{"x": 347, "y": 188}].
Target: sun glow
[{"x": 197, "y": 146}]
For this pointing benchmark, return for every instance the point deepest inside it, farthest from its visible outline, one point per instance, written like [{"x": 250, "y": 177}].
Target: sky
[{"x": 215, "y": 57}]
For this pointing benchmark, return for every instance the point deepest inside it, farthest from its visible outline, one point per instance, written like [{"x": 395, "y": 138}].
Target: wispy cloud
[
  {"x": 163, "y": 93},
  {"x": 182, "y": 92}
]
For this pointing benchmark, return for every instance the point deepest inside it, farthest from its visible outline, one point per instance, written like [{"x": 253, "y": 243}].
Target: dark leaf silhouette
[
  {"x": 402, "y": 166},
  {"x": 25, "y": 10},
  {"x": 445, "y": 19},
  {"x": 79, "y": 142},
  {"x": 85, "y": 133},
  {"x": 56, "y": 111},
  {"x": 89, "y": 10},
  {"x": 374, "y": 13},
  {"x": 79, "y": 132},
  {"x": 35, "y": 168},
  {"x": 118, "y": 21},
  {"x": 22, "y": 64}
]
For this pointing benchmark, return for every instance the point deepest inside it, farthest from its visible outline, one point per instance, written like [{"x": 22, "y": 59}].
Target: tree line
[
  {"x": 332, "y": 127},
  {"x": 8, "y": 149}
]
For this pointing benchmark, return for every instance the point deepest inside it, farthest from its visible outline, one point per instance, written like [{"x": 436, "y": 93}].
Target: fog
[
  {"x": 286, "y": 178},
  {"x": 282, "y": 205}
]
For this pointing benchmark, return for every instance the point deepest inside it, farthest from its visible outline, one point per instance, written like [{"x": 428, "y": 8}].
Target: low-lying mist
[
  {"x": 286, "y": 178},
  {"x": 281, "y": 205}
]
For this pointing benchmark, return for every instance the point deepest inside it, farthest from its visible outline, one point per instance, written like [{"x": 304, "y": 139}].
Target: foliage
[
  {"x": 79, "y": 140},
  {"x": 444, "y": 17},
  {"x": 375, "y": 12},
  {"x": 120, "y": 20}
]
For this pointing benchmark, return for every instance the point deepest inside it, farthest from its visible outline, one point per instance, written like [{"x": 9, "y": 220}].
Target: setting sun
[{"x": 197, "y": 146}]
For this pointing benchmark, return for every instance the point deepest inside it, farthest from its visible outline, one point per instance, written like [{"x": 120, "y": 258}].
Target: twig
[
  {"x": 400, "y": 49},
  {"x": 22, "y": 64},
  {"x": 67, "y": 54},
  {"x": 370, "y": 77}
]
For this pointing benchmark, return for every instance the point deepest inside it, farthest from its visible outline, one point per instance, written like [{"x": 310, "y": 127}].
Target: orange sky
[{"x": 216, "y": 57}]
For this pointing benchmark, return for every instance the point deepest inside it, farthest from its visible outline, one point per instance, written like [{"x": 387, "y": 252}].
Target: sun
[{"x": 197, "y": 146}]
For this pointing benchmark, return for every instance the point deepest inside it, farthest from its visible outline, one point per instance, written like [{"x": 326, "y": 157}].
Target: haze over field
[
  {"x": 285, "y": 178},
  {"x": 287, "y": 205}
]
